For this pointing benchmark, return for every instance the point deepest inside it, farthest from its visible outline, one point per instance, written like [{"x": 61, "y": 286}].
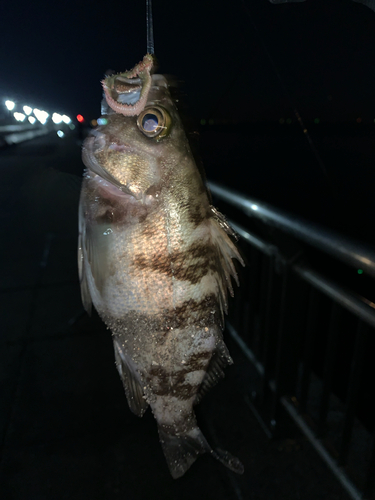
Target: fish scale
[{"x": 155, "y": 260}]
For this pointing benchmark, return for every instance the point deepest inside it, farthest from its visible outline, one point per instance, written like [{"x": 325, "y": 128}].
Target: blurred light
[
  {"x": 288, "y": 121},
  {"x": 93, "y": 123},
  {"x": 66, "y": 119},
  {"x": 10, "y": 105},
  {"x": 71, "y": 126},
  {"x": 359, "y": 119},
  {"x": 41, "y": 115},
  {"x": 19, "y": 116},
  {"x": 360, "y": 271},
  {"x": 80, "y": 118},
  {"x": 316, "y": 121},
  {"x": 27, "y": 110},
  {"x": 102, "y": 121},
  {"x": 203, "y": 121},
  {"x": 211, "y": 121},
  {"x": 60, "y": 133},
  {"x": 32, "y": 119},
  {"x": 281, "y": 121},
  {"x": 254, "y": 207},
  {"x": 56, "y": 118}
]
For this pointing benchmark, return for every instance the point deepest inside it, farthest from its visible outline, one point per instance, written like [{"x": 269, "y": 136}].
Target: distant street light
[
  {"x": 56, "y": 118},
  {"x": 10, "y": 105},
  {"x": 20, "y": 117}
]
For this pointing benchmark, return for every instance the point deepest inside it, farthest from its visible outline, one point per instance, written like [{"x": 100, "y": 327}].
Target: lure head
[{"x": 126, "y": 93}]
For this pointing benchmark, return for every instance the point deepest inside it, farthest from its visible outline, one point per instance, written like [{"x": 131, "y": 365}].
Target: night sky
[{"x": 322, "y": 55}]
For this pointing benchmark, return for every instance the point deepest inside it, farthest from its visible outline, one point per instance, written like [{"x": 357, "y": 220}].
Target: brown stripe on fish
[
  {"x": 193, "y": 311},
  {"x": 197, "y": 214},
  {"x": 173, "y": 383},
  {"x": 190, "y": 316},
  {"x": 190, "y": 265}
]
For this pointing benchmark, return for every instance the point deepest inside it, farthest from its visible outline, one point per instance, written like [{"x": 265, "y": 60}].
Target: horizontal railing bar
[
  {"x": 354, "y": 304},
  {"x": 245, "y": 349},
  {"x": 353, "y": 253},
  {"x": 350, "y": 488},
  {"x": 357, "y": 305},
  {"x": 261, "y": 245}
]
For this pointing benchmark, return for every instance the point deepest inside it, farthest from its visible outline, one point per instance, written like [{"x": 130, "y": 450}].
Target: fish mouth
[
  {"x": 126, "y": 93},
  {"x": 91, "y": 147}
]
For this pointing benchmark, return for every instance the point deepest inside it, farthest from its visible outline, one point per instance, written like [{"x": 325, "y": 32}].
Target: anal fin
[
  {"x": 132, "y": 386},
  {"x": 215, "y": 371}
]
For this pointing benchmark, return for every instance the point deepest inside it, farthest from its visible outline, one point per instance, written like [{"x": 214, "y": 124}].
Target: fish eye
[{"x": 154, "y": 121}]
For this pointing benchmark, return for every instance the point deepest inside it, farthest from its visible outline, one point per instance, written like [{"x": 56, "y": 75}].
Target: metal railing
[{"x": 304, "y": 316}]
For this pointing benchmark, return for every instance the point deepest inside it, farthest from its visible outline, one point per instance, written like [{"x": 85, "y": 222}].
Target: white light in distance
[
  {"x": 56, "y": 118},
  {"x": 66, "y": 119},
  {"x": 60, "y": 133},
  {"x": 10, "y": 105},
  {"x": 19, "y": 116},
  {"x": 27, "y": 110},
  {"x": 32, "y": 119},
  {"x": 41, "y": 115}
]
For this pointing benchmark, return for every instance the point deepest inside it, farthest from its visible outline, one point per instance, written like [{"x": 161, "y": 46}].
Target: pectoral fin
[
  {"x": 93, "y": 241},
  {"x": 133, "y": 389},
  {"x": 85, "y": 293}
]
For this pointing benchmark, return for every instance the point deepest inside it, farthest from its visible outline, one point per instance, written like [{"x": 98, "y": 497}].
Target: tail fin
[{"x": 182, "y": 450}]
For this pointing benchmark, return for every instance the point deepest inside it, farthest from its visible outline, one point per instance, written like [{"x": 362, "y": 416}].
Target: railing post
[
  {"x": 330, "y": 355},
  {"x": 267, "y": 357},
  {"x": 312, "y": 315},
  {"x": 287, "y": 342},
  {"x": 354, "y": 382}
]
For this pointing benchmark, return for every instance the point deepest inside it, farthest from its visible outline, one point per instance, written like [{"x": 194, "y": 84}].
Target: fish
[{"x": 155, "y": 259}]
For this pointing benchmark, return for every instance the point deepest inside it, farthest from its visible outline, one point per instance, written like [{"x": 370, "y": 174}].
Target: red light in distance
[{"x": 80, "y": 118}]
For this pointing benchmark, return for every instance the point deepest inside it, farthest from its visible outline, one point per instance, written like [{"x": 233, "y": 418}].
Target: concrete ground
[{"x": 66, "y": 429}]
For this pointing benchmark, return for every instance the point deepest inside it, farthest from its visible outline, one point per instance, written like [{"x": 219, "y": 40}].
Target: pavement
[{"x": 66, "y": 430}]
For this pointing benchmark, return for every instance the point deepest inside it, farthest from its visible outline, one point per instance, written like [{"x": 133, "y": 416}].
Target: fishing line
[
  {"x": 287, "y": 95},
  {"x": 150, "y": 28}
]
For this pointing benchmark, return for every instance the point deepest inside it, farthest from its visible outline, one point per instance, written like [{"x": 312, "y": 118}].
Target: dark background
[
  {"x": 249, "y": 70},
  {"x": 323, "y": 52}
]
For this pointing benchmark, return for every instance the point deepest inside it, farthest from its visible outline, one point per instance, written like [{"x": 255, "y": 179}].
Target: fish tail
[{"x": 183, "y": 449}]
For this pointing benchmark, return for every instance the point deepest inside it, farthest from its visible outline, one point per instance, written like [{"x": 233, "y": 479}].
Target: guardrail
[{"x": 307, "y": 326}]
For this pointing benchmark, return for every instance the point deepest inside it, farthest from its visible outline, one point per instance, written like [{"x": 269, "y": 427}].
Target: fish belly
[{"x": 161, "y": 300}]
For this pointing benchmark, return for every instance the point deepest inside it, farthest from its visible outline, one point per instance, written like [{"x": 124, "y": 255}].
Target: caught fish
[{"x": 155, "y": 259}]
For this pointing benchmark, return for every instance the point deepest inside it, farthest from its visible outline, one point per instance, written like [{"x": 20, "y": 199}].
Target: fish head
[{"x": 139, "y": 134}]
